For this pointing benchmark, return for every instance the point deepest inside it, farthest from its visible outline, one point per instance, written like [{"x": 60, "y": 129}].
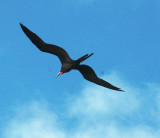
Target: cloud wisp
[
  {"x": 34, "y": 120},
  {"x": 98, "y": 112}
]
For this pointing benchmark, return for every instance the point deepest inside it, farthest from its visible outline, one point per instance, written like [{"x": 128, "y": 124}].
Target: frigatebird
[{"x": 67, "y": 63}]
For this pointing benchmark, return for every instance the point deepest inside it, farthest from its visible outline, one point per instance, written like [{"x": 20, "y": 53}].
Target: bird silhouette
[{"x": 67, "y": 63}]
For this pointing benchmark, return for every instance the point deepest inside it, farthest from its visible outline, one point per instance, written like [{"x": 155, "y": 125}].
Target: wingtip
[
  {"x": 121, "y": 90},
  {"x": 21, "y": 24}
]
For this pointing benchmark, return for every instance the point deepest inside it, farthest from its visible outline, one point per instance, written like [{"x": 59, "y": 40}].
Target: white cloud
[
  {"x": 97, "y": 112},
  {"x": 100, "y": 100},
  {"x": 112, "y": 131},
  {"x": 34, "y": 121}
]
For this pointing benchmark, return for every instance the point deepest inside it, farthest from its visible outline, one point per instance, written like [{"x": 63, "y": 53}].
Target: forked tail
[{"x": 84, "y": 58}]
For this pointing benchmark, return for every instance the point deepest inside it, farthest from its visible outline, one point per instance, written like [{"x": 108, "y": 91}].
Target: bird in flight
[{"x": 66, "y": 61}]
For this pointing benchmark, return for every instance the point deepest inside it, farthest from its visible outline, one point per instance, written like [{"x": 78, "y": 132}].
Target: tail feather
[{"x": 84, "y": 57}]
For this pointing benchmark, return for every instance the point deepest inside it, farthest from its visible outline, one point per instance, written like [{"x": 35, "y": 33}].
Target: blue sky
[{"x": 124, "y": 35}]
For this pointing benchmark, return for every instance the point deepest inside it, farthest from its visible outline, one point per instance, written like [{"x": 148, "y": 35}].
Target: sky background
[{"x": 125, "y": 39}]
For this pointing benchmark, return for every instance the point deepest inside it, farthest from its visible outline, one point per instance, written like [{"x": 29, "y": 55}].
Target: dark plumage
[{"x": 67, "y": 63}]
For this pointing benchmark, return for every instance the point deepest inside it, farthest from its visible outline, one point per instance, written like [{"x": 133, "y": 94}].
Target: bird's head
[{"x": 59, "y": 73}]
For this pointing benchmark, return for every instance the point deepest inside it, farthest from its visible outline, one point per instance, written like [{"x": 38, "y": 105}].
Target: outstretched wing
[
  {"x": 41, "y": 45},
  {"x": 89, "y": 74}
]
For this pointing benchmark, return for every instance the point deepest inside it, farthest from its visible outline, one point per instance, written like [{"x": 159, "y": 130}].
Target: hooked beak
[{"x": 59, "y": 74}]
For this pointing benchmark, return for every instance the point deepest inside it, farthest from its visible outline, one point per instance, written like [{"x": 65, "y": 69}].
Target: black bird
[{"x": 67, "y": 63}]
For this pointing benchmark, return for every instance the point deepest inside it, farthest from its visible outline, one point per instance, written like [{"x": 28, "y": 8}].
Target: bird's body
[{"x": 67, "y": 63}]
